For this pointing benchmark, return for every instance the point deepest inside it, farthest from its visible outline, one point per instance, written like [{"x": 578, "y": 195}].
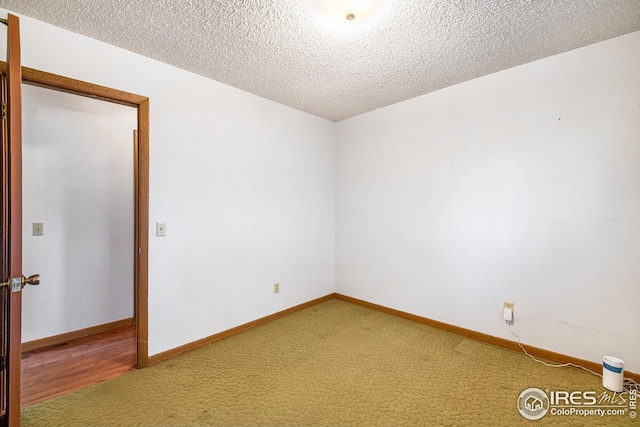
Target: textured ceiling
[{"x": 290, "y": 52}]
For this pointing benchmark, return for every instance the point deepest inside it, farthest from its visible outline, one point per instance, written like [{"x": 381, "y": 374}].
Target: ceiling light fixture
[{"x": 348, "y": 12}]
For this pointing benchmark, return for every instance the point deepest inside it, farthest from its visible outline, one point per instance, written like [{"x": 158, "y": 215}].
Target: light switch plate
[
  {"x": 161, "y": 229},
  {"x": 38, "y": 228}
]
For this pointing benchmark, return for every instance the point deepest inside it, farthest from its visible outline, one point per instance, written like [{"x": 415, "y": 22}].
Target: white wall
[
  {"x": 517, "y": 186},
  {"x": 245, "y": 185},
  {"x": 522, "y": 186},
  {"x": 78, "y": 181}
]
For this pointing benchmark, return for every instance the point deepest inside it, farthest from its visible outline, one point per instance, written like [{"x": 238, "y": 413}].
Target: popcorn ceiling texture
[{"x": 289, "y": 52}]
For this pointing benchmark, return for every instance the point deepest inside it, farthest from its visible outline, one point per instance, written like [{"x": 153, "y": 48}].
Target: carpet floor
[{"x": 334, "y": 364}]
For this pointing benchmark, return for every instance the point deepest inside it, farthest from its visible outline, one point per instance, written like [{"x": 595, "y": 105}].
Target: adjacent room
[{"x": 359, "y": 212}]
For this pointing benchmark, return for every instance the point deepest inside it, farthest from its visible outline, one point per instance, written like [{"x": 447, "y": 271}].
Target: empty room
[{"x": 320, "y": 212}]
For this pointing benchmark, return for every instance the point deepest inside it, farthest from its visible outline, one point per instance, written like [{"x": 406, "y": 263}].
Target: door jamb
[{"x": 141, "y": 165}]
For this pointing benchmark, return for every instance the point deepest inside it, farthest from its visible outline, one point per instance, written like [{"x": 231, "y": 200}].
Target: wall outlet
[
  {"x": 506, "y": 315},
  {"x": 506, "y": 305},
  {"x": 276, "y": 288}
]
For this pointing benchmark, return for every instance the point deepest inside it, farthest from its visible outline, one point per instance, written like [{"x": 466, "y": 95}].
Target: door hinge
[{"x": 4, "y": 110}]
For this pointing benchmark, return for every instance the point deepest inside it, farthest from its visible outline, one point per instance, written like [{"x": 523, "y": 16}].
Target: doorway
[
  {"x": 140, "y": 142},
  {"x": 78, "y": 215},
  {"x": 78, "y": 233}
]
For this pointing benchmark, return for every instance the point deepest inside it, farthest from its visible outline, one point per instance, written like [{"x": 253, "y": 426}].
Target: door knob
[
  {"x": 21, "y": 281},
  {"x": 31, "y": 280}
]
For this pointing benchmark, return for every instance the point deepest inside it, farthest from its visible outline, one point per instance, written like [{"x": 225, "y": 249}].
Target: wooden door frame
[
  {"x": 141, "y": 177},
  {"x": 12, "y": 228}
]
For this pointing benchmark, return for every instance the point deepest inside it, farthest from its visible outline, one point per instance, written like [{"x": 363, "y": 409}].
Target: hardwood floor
[{"x": 57, "y": 370}]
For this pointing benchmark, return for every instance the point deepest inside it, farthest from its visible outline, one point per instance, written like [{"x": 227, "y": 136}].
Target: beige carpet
[{"x": 334, "y": 364}]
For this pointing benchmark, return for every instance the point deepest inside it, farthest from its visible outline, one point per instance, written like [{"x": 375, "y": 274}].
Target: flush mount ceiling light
[{"x": 348, "y": 12}]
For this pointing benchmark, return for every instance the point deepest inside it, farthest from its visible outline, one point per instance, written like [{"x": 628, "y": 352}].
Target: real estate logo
[
  {"x": 533, "y": 403},
  {"x": 633, "y": 400}
]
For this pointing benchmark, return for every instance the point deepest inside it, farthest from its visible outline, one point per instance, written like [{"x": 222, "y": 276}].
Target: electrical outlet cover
[{"x": 510, "y": 305}]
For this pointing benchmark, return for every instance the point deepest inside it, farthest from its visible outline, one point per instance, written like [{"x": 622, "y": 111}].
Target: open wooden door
[{"x": 11, "y": 223}]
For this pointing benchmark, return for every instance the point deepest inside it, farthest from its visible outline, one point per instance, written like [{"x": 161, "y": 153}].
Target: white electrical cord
[{"x": 627, "y": 381}]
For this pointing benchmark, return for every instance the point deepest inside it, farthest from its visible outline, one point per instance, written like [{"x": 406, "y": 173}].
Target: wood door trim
[
  {"x": 4, "y": 250},
  {"x": 141, "y": 103},
  {"x": 142, "y": 236},
  {"x": 14, "y": 124},
  {"x": 79, "y": 87}
]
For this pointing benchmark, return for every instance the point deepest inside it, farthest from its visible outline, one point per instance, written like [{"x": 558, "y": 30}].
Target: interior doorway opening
[
  {"x": 141, "y": 184},
  {"x": 78, "y": 215}
]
